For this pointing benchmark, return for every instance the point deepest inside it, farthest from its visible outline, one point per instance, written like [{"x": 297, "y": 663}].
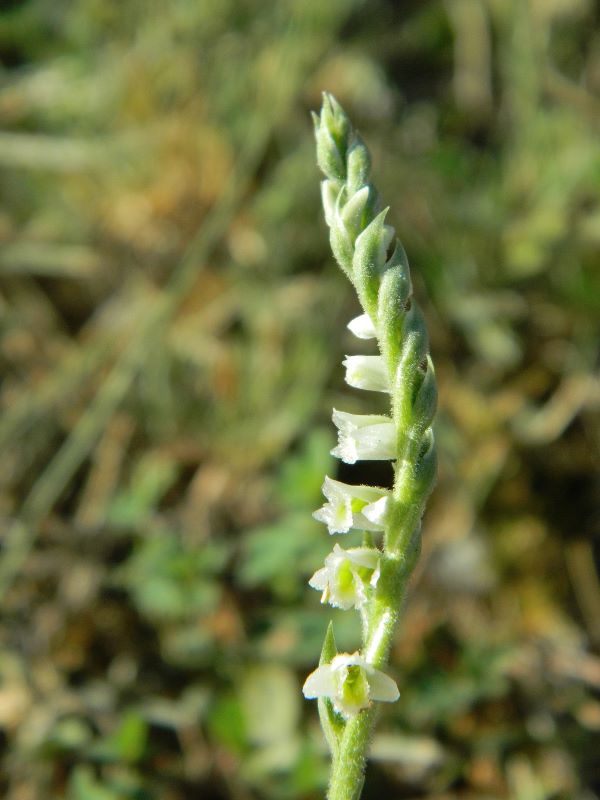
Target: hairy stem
[{"x": 348, "y": 767}]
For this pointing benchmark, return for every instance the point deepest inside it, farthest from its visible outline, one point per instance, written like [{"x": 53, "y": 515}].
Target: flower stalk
[{"x": 371, "y": 579}]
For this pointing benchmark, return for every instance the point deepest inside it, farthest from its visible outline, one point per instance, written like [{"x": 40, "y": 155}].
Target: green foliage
[
  {"x": 127, "y": 744},
  {"x": 171, "y": 582}
]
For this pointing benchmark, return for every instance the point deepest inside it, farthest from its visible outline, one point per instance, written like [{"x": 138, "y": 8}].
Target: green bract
[{"x": 367, "y": 250}]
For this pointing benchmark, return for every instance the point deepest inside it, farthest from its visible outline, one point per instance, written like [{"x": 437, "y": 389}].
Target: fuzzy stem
[{"x": 348, "y": 767}]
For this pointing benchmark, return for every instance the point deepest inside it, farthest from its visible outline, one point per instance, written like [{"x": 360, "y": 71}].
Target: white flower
[
  {"x": 364, "y": 436},
  {"x": 346, "y": 575},
  {"x": 362, "y": 327},
  {"x": 367, "y": 372},
  {"x": 360, "y": 507},
  {"x": 351, "y": 684}
]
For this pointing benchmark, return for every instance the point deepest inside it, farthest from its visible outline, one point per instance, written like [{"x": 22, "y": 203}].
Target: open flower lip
[
  {"x": 352, "y": 507},
  {"x": 347, "y": 576},
  {"x": 364, "y": 437},
  {"x": 351, "y": 684}
]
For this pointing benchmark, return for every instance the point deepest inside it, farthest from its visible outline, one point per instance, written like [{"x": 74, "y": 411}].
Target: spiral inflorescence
[
  {"x": 372, "y": 578},
  {"x": 368, "y": 251}
]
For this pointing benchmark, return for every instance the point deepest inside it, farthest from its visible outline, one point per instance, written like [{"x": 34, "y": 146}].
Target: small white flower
[
  {"x": 347, "y": 507},
  {"x": 364, "y": 436},
  {"x": 362, "y": 327},
  {"x": 346, "y": 575},
  {"x": 351, "y": 684},
  {"x": 367, "y": 372}
]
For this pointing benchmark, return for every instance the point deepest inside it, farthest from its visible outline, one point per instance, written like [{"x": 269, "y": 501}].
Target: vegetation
[{"x": 170, "y": 325}]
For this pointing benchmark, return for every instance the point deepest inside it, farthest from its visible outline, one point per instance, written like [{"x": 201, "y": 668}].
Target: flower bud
[{"x": 367, "y": 372}]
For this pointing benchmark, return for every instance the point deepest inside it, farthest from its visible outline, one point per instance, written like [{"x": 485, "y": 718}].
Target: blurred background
[{"x": 172, "y": 325}]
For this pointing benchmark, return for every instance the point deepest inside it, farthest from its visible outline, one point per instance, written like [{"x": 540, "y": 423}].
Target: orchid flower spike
[{"x": 371, "y": 579}]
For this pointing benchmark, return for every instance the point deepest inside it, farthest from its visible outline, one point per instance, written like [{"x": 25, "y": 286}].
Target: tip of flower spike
[
  {"x": 330, "y": 102},
  {"x": 335, "y": 119}
]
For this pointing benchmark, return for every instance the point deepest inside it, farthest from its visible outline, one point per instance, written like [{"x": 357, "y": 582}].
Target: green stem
[{"x": 348, "y": 767}]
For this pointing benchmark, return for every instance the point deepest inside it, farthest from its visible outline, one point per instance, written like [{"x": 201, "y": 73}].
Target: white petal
[
  {"x": 368, "y": 436},
  {"x": 338, "y": 513},
  {"x": 363, "y": 556},
  {"x": 367, "y": 372},
  {"x": 362, "y": 327},
  {"x": 320, "y": 579},
  {"x": 369, "y": 494},
  {"x": 352, "y": 595},
  {"x": 349, "y": 422},
  {"x": 381, "y": 686},
  {"x": 374, "y": 445},
  {"x": 349, "y": 591},
  {"x": 348, "y": 660},
  {"x": 320, "y": 683},
  {"x": 338, "y": 517},
  {"x": 361, "y": 523},
  {"x": 376, "y": 512},
  {"x": 354, "y": 599}
]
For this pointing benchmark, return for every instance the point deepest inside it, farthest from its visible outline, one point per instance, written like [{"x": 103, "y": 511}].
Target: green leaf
[
  {"x": 282, "y": 554},
  {"x": 83, "y": 786},
  {"x": 301, "y": 475},
  {"x": 151, "y": 479},
  {"x": 126, "y": 744},
  {"x": 227, "y": 723}
]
